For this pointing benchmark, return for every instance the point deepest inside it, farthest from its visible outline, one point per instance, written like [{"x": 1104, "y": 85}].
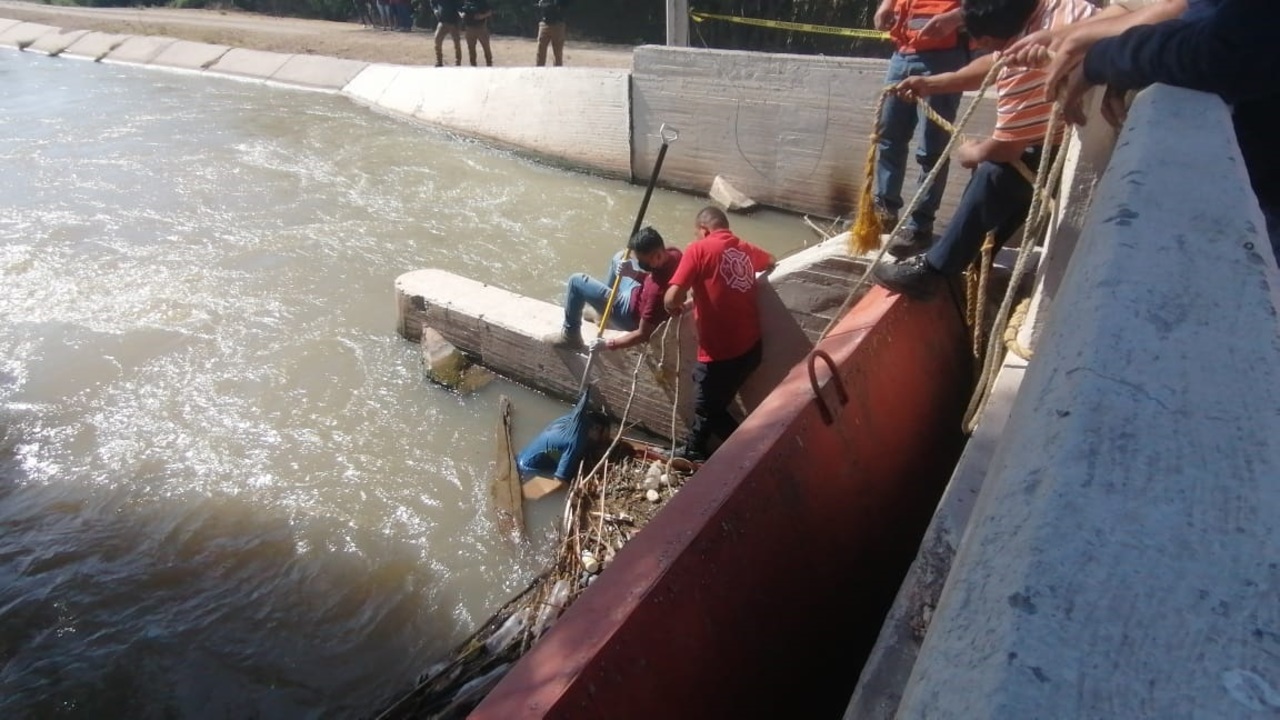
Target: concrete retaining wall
[
  {"x": 23, "y": 34},
  {"x": 55, "y": 43},
  {"x": 190, "y": 55},
  {"x": 95, "y": 45},
  {"x": 579, "y": 116},
  {"x": 1121, "y": 559},
  {"x": 791, "y": 131}
]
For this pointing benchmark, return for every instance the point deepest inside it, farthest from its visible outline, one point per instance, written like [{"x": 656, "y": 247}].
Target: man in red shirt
[
  {"x": 721, "y": 270},
  {"x": 660, "y": 263}
]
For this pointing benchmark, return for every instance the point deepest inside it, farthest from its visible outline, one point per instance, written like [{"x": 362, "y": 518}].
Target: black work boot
[
  {"x": 913, "y": 277},
  {"x": 568, "y": 339},
  {"x": 910, "y": 242}
]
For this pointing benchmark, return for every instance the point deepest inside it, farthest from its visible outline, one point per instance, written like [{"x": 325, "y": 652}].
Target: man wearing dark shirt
[
  {"x": 448, "y": 17},
  {"x": 475, "y": 25},
  {"x": 1230, "y": 51},
  {"x": 551, "y": 30},
  {"x": 660, "y": 262}
]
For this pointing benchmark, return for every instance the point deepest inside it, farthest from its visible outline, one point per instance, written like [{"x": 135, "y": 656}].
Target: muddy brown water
[{"x": 225, "y": 488}]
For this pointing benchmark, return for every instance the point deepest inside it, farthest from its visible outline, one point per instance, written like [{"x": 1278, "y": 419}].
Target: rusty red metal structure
[{"x": 759, "y": 589}]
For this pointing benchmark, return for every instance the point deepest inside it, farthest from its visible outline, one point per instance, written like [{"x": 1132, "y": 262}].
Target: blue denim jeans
[
  {"x": 996, "y": 199},
  {"x": 586, "y": 290},
  {"x": 900, "y": 120}
]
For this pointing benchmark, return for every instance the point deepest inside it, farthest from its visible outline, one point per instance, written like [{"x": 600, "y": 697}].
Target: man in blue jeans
[
  {"x": 928, "y": 43},
  {"x": 997, "y": 197},
  {"x": 585, "y": 290}
]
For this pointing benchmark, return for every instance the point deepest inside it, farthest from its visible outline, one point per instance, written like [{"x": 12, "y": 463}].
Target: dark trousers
[
  {"x": 715, "y": 384},
  {"x": 997, "y": 199}
]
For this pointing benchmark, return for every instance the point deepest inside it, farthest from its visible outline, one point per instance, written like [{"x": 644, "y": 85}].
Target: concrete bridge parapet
[{"x": 1123, "y": 556}]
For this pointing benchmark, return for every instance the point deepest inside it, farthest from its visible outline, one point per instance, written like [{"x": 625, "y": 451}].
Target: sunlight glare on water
[{"x": 226, "y": 489}]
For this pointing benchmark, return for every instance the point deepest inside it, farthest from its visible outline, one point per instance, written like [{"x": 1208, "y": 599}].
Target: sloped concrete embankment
[{"x": 305, "y": 71}]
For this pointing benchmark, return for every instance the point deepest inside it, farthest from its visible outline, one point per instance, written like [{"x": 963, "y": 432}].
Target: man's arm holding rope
[{"x": 967, "y": 78}]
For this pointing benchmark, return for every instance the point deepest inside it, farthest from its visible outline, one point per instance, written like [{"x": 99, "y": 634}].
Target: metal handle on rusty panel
[{"x": 828, "y": 416}]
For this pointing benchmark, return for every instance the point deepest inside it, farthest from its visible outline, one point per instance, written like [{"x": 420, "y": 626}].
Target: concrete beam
[
  {"x": 189, "y": 55},
  {"x": 95, "y": 45},
  {"x": 139, "y": 49},
  {"x": 250, "y": 63},
  {"x": 53, "y": 44},
  {"x": 507, "y": 333},
  {"x": 315, "y": 71},
  {"x": 22, "y": 35},
  {"x": 1121, "y": 560}
]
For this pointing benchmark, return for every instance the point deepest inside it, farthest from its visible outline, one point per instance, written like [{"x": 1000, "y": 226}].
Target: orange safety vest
[{"x": 911, "y": 15}]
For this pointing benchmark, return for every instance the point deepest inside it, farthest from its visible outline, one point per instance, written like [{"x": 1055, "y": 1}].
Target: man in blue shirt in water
[{"x": 564, "y": 445}]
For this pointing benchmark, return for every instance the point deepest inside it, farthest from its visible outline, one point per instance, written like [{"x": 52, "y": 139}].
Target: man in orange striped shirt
[{"x": 997, "y": 197}]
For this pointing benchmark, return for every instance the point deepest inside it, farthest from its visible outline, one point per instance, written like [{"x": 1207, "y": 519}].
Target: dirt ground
[{"x": 295, "y": 35}]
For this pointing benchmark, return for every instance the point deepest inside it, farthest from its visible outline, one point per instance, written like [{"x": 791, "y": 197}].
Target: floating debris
[{"x": 602, "y": 513}]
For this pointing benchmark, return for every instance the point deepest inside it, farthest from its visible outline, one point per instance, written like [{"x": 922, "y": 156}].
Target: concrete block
[
  {"x": 95, "y": 45},
  {"x": 444, "y": 363},
  {"x": 139, "y": 49},
  {"x": 190, "y": 55},
  {"x": 368, "y": 86},
  {"x": 533, "y": 109},
  {"x": 56, "y": 43},
  {"x": 318, "y": 72},
  {"x": 405, "y": 92},
  {"x": 24, "y": 34},
  {"x": 250, "y": 63},
  {"x": 1120, "y": 560},
  {"x": 791, "y": 130},
  {"x": 729, "y": 197}
]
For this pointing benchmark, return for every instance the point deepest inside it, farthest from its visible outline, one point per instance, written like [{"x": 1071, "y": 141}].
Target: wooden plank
[{"x": 507, "y": 498}]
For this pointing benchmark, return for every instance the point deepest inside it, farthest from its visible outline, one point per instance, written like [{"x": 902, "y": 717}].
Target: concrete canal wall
[{"x": 792, "y": 131}]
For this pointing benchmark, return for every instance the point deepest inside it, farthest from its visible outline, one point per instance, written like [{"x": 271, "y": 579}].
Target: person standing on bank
[
  {"x": 928, "y": 42},
  {"x": 721, "y": 270},
  {"x": 551, "y": 30},
  {"x": 447, "y": 19},
  {"x": 660, "y": 263},
  {"x": 475, "y": 26}
]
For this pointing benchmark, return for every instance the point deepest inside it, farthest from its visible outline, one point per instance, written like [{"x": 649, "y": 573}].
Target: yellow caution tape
[{"x": 797, "y": 27}]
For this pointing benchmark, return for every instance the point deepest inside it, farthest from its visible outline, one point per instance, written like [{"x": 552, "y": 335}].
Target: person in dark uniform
[
  {"x": 448, "y": 18},
  {"x": 475, "y": 27},
  {"x": 551, "y": 30}
]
